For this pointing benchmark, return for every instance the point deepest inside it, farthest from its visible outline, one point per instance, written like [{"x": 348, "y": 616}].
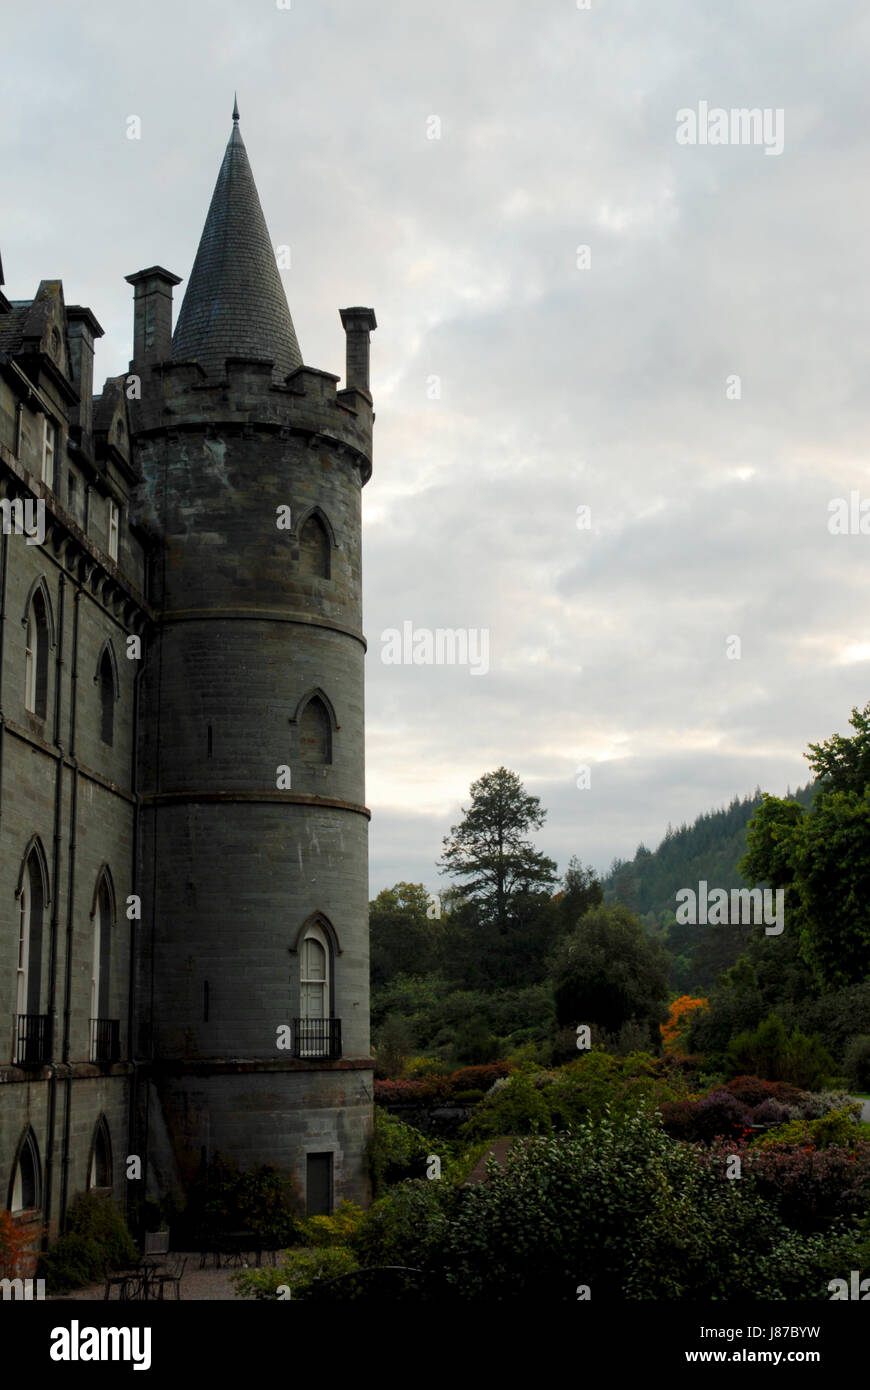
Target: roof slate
[{"x": 235, "y": 305}]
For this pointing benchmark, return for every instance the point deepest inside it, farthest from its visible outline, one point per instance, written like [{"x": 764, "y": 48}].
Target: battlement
[{"x": 179, "y": 396}]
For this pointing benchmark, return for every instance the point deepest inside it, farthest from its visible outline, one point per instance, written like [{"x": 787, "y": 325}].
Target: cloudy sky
[{"x": 697, "y": 378}]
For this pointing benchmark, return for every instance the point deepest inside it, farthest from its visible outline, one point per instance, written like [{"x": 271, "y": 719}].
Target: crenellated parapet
[{"x": 178, "y": 396}]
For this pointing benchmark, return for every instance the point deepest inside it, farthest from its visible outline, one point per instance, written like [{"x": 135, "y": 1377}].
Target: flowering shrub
[
  {"x": 431, "y": 1090},
  {"x": 718, "y": 1115},
  {"x": 819, "y": 1103},
  {"x": 479, "y": 1078},
  {"x": 679, "y": 1016},
  {"x": 752, "y": 1090},
  {"x": 426, "y": 1092},
  {"x": 14, "y": 1245},
  {"x": 770, "y": 1112},
  {"x": 810, "y": 1187}
]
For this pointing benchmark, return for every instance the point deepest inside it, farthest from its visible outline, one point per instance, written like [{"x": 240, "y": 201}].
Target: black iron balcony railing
[
  {"x": 105, "y": 1040},
  {"x": 317, "y": 1037},
  {"x": 32, "y": 1040}
]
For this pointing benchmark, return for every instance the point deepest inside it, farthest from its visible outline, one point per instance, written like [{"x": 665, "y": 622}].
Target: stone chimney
[
  {"x": 358, "y": 324},
  {"x": 82, "y": 329},
  {"x": 152, "y": 315}
]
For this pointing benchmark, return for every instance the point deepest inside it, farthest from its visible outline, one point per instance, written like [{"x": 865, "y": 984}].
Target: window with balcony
[
  {"x": 317, "y": 1033},
  {"x": 32, "y": 1034}
]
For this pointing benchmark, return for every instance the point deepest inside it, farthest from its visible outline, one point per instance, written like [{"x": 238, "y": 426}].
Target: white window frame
[
  {"x": 16, "y": 1190},
  {"x": 30, "y": 663},
  {"x": 23, "y": 947},
  {"x": 95, "y": 963},
  {"x": 49, "y": 444},
  {"x": 309, "y": 982},
  {"x": 112, "y": 527}
]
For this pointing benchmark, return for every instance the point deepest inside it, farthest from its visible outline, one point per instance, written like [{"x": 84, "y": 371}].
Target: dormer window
[
  {"x": 112, "y": 528},
  {"x": 49, "y": 434}
]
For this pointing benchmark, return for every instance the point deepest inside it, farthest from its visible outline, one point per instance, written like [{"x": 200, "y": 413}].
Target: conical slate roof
[{"x": 235, "y": 305}]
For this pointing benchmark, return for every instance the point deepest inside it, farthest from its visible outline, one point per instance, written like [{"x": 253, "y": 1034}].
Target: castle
[{"x": 183, "y": 834}]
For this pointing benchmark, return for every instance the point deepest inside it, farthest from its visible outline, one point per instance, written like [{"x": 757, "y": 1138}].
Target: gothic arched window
[
  {"x": 36, "y": 657},
  {"x": 314, "y": 994},
  {"x": 107, "y": 698},
  {"x": 25, "y": 1189},
  {"x": 31, "y": 906},
  {"x": 102, "y": 951},
  {"x": 315, "y": 732},
  {"x": 100, "y": 1170},
  {"x": 314, "y": 548}
]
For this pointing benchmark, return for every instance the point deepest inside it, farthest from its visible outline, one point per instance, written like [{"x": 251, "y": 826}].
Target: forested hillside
[{"x": 710, "y": 849}]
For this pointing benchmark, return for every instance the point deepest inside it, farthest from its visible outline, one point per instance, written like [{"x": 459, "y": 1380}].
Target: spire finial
[{"x": 235, "y": 107}]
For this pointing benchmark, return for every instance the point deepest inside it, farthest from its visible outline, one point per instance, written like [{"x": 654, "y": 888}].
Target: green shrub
[
  {"x": 96, "y": 1235},
  {"x": 339, "y": 1229},
  {"x": 395, "y": 1151},
  {"x": 839, "y": 1128},
  {"x": 516, "y": 1108},
  {"x": 393, "y": 1041},
  {"x": 531, "y": 1055},
  {"x": 458, "y": 1168},
  {"x": 620, "y": 1206},
  {"x": 299, "y": 1271},
  {"x": 629, "y": 1212},
  {"x": 857, "y": 1062},
  {"x": 472, "y": 1097},
  {"x": 776, "y": 1055},
  {"x": 259, "y": 1200},
  {"x": 409, "y": 1225},
  {"x": 419, "y": 1068}
]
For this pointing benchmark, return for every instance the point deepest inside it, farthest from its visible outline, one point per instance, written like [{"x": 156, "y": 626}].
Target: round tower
[{"x": 254, "y": 968}]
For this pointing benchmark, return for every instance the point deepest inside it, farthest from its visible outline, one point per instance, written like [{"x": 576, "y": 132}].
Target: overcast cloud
[{"x": 560, "y": 386}]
